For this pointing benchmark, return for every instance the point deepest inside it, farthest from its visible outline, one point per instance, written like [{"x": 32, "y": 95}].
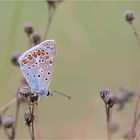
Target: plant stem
[
  {"x": 136, "y": 117},
  {"x": 50, "y": 17},
  {"x": 30, "y": 41},
  {"x": 17, "y": 114},
  {"x": 32, "y": 114},
  {"x": 9, "y": 104},
  {"x": 31, "y": 134},
  {"x": 137, "y": 136},
  {"x": 135, "y": 33},
  {"x": 107, "y": 108}
]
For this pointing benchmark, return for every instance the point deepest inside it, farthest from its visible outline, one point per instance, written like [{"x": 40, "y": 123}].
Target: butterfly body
[{"x": 37, "y": 65}]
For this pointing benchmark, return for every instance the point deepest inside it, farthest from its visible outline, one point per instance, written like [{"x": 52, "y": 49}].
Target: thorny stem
[
  {"x": 135, "y": 33},
  {"x": 50, "y": 17},
  {"x": 107, "y": 108}
]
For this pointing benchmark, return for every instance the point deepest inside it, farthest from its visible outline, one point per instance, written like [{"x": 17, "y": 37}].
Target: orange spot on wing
[
  {"x": 30, "y": 57},
  {"x": 38, "y": 52},
  {"x": 25, "y": 61},
  {"x": 46, "y": 56},
  {"x": 34, "y": 54}
]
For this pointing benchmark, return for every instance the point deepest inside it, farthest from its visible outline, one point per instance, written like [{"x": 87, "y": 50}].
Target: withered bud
[
  {"x": 106, "y": 95},
  {"x": 28, "y": 28},
  {"x": 130, "y": 133},
  {"x": 14, "y": 58},
  {"x": 129, "y": 16},
  {"x": 9, "y": 122},
  {"x": 29, "y": 118},
  {"x": 113, "y": 126},
  {"x": 122, "y": 97},
  {"x": 36, "y": 38},
  {"x": 25, "y": 91}
]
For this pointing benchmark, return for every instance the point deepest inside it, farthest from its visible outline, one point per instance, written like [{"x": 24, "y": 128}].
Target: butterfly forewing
[{"x": 37, "y": 65}]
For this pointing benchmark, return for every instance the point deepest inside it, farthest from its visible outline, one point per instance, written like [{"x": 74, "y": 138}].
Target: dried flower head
[
  {"x": 36, "y": 38},
  {"x": 130, "y": 133},
  {"x": 122, "y": 97},
  {"x": 28, "y": 117},
  {"x": 106, "y": 95},
  {"x": 14, "y": 58},
  {"x": 9, "y": 122},
  {"x": 28, "y": 28},
  {"x": 129, "y": 16},
  {"x": 25, "y": 91}
]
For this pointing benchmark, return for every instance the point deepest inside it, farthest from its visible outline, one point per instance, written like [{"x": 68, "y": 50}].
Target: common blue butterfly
[{"x": 37, "y": 65}]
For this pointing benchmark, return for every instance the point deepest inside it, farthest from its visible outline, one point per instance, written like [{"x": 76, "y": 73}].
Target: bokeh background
[{"x": 96, "y": 48}]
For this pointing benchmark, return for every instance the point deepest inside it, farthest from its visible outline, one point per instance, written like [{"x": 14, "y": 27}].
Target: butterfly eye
[
  {"x": 38, "y": 75},
  {"x": 49, "y": 73},
  {"x": 46, "y": 79},
  {"x": 29, "y": 67}
]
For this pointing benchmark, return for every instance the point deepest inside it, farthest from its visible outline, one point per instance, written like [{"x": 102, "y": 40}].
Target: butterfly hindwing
[{"x": 37, "y": 65}]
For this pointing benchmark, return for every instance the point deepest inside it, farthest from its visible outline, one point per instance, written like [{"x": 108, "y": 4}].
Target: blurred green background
[{"x": 96, "y": 48}]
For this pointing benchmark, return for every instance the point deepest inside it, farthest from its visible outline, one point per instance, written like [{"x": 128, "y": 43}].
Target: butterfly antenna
[{"x": 68, "y": 97}]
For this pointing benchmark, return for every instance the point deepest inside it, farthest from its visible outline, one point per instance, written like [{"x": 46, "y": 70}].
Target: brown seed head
[
  {"x": 25, "y": 91},
  {"x": 28, "y": 28},
  {"x": 129, "y": 133},
  {"x": 36, "y": 38},
  {"x": 28, "y": 117},
  {"x": 129, "y": 16},
  {"x": 14, "y": 58},
  {"x": 9, "y": 122}
]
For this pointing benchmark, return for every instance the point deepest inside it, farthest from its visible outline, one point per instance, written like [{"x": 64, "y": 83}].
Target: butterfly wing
[{"x": 37, "y": 65}]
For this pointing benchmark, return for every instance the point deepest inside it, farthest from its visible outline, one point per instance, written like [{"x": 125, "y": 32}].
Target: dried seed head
[
  {"x": 28, "y": 28},
  {"x": 9, "y": 122},
  {"x": 129, "y": 133},
  {"x": 25, "y": 91},
  {"x": 113, "y": 126},
  {"x": 107, "y": 97},
  {"x": 28, "y": 117},
  {"x": 129, "y": 16},
  {"x": 14, "y": 59},
  {"x": 36, "y": 38}
]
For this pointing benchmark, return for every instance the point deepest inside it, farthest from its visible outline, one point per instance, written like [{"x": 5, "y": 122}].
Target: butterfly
[{"x": 37, "y": 65}]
